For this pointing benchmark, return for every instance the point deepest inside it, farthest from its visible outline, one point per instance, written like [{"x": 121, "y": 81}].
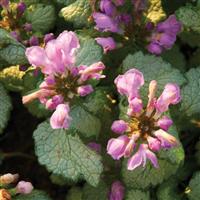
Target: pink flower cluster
[
  {"x": 146, "y": 130},
  {"x": 63, "y": 79},
  {"x": 164, "y": 35}
]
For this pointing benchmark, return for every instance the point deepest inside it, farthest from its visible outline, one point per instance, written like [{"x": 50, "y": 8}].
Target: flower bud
[
  {"x": 48, "y": 37},
  {"x": 27, "y": 27},
  {"x": 4, "y": 195},
  {"x": 34, "y": 41},
  {"x": 21, "y": 7},
  {"x": 8, "y": 178},
  {"x": 24, "y": 187},
  {"x": 117, "y": 191}
]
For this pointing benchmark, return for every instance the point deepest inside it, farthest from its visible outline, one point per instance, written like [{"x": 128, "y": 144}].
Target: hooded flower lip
[
  {"x": 145, "y": 129},
  {"x": 105, "y": 23},
  {"x": 108, "y": 43},
  {"x": 164, "y": 35},
  {"x": 130, "y": 83},
  {"x": 61, "y": 118},
  {"x": 140, "y": 158},
  {"x": 63, "y": 80}
]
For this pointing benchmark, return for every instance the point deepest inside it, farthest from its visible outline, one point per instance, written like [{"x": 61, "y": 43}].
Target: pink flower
[
  {"x": 91, "y": 72},
  {"x": 108, "y": 43},
  {"x": 94, "y": 146},
  {"x": 117, "y": 191},
  {"x": 129, "y": 83},
  {"x": 24, "y": 187},
  {"x": 106, "y": 23},
  {"x": 154, "y": 143},
  {"x": 135, "y": 106},
  {"x": 164, "y": 35},
  {"x": 167, "y": 141},
  {"x": 144, "y": 126},
  {"x": 107, "y": 7},
  {"x": 85, "y": 90},
  {"x": 119, "y": 126},
  {"x": 63, "y": 80},
  {"x": 52, "y": 103},
  {"x": 141, "y": 157},
  {"x": 164, "y": 123},
  {"x": 57, "y": 54},
  {"x": 48, "y": 37},
  {"x": 116, "y": 147},
  {"x": 170, "y": 95},
  {"x": 61, "y": 118}
]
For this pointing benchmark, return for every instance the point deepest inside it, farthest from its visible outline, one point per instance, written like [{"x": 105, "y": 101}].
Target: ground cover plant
[{"x": 99, "y": 100}]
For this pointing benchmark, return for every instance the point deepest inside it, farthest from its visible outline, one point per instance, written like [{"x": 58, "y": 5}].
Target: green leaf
[
  {"x": 84, "y": 123},
  {"x": 189, "y": 17},
  {"x": 77, "y": 13},
  {"x": 175, "y": 58},
  {"x": 194, "y": 187},
  {"x": 42, "y": 17},
  {"x": 89, "y": 53},
  {"x": 169, "y": 162},
  {"x": 66, "y": 155},
  {"x": 6, "y": 106},
  {"x": 35, "y": 195},
  {"x": 11, "y": 51},
  {"x": 137, "y": 195},
  {"x": 101, "y": 104},
  {"x": 153, "y": 68},
  {"x": 190, "y": 104},
  {"x": 12, "y": 78},
  {"x": 95, "y": 193},
  {"x": 75, "y": 193},
  {"x": 168, "y": 191}
]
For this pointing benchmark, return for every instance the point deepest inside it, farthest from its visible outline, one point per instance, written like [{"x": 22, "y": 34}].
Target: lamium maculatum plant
[{"x": 99, "y": 100}]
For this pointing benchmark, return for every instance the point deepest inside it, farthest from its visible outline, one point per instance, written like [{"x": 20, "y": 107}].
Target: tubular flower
[
  {"x": 117, "y": 191},
  {"x": 63, "y": 79},
  {"x": 108, "y": 19},
  {"x": 145, "y": 131},
  {"x": 164, "y": 35}
]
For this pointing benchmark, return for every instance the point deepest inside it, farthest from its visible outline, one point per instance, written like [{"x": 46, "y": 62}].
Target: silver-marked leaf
[
  {"x": 85, "y": 123},
  {"x": 66, "y": 155},
  {"x": 5, "y": 108},
  {"x": 42, "y": 17},
  {"x": 190, "y": 17},
  {"x": 77, "y": 13},
  {"x": 89, "y": 53},
  {"x": 11, "y": 51},
  {"x": 190, "y": 104}
]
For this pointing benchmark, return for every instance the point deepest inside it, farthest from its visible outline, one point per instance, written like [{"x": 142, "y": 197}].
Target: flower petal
[{"x": 60, "y": 118}]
